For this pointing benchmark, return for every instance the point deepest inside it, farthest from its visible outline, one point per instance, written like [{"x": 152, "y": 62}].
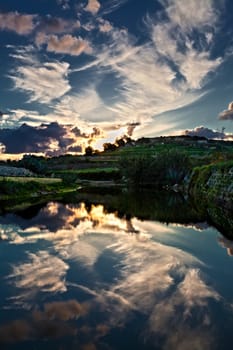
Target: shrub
[{"x": 165, "y": 168}]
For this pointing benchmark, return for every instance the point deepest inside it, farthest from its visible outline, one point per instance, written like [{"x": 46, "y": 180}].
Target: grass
[
  {"x": 41, "y": 180},
  {"x": 150, "y": 150},
  {"x": 87, "y": 170},
  {"x": 100, "y": 174},
  {"x": 223, "y": 165},
  {"x": 32, "y": 187},
  {"x": 98, "y": 170}
]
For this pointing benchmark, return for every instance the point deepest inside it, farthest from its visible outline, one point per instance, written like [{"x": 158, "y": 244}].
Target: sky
[{"x": 77, "y": 73}]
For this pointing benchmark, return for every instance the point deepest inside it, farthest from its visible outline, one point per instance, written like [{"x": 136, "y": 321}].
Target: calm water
[{"x": 84, "y": 276}]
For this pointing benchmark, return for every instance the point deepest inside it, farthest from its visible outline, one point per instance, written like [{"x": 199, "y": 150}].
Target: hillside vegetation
[{"x": 200, "y": 167}]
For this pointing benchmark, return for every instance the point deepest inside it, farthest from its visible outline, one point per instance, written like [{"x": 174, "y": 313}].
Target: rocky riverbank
[
  {"x": 213, "y": 184},
  {"x": 211, "y": 190}
]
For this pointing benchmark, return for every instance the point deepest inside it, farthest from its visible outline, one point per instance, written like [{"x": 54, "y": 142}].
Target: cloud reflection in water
[
  {"x": 159, "y": 281},
  {"x": 42, "y": 273}
]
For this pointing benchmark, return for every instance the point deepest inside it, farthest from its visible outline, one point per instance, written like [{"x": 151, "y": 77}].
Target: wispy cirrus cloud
[
  {"x": 43, "y": 81},
  {"x": 87, "y": 106},
  {"x": 145, "y": 260},
  {"x": 22, "y": 24},
  {"x": 111, "y": 6},
  {"x": 190, "y": 56},
  {"x": 43, "y": 272},
  {"x": 146, "y": 85},
  {"x": 181, "y": 13},
  {"x": 167, "y": 72}
]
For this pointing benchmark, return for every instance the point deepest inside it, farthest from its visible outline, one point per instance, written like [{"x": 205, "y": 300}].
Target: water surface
[{"x": 84, "y": 275}]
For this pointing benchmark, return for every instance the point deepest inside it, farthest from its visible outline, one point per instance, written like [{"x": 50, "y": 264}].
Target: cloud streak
[
  {"x": 162, "y": 73},
  {"x": 155, "y": 279},
  {"x": 181, "y": 13},
  {"x": 111, "y": 6},
  {"x": 43, "y": 82},
  {"x": 167, "y": 72},
  {"x": 87, "y": 105},
  {"x": 43, "y": 272}
]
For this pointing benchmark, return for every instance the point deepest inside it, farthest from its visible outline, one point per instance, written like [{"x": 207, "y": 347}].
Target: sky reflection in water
[{"x": 82, "y": 277}]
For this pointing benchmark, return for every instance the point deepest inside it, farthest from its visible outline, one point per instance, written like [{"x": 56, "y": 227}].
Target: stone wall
[
  {"x": 212, "y": 183},
  {"x": 221, "y": 182},
  {"x": 211, "y": 189}
]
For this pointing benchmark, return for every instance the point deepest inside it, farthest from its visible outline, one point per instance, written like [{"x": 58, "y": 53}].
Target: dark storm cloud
[
  {"x": 75, "y": 149},
  {"x": 46, "y": 138}
]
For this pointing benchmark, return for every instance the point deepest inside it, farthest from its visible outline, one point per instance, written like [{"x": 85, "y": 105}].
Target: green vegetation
[
  {"x": 202, "y": 168},
  {"x": 211, "y": 190},
  {"x": 22, "y": 188},
  {"x": 213, "y": 183},
  {"x": 35, "y": 164},
  {"x": 21, "y": 179},
  {"x": 102, "y": 174},
  {"x": 160, "y": 169},
  {"x": 145, "y": 204}
]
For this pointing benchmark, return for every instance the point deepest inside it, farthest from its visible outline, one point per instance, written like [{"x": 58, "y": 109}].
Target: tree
[
  {"x": 120, "y": 142},
  {"x": 89, "y": 151},
  {"x": 108, "y": 146},
  {"x": 33, "y": 163}
]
